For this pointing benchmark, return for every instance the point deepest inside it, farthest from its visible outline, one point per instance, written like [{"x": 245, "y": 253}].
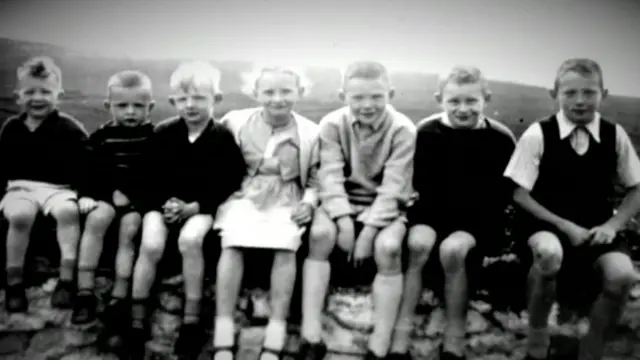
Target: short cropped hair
[
  {"x": 370, "y": 70},
  {"x": 40, "y": 67},
  {"x": 195, "y": 74},
  {"x": 463, "y": 75},
  {"x": 130, "y": 79},
  {"x": 251, "y": 79},
  {"x": 583, "y": 66}
]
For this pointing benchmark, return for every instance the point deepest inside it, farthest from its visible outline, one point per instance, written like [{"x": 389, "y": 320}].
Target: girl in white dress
[{"x": 274, "y": 206}]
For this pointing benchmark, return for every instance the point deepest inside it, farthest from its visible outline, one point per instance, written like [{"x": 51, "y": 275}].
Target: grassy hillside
[{"x": 85, "y": 77}]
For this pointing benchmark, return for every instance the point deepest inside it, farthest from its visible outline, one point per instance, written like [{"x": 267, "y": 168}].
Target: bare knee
[
  {"x": 420, "y": 242},
  {"x": 66, "y": 213},
  {"x": 154, "y": 236},
  {"x": 322, "y": 236},
  {"x": 21, "y": 215},
  {"x": 388, "y": 248},
  {"x": 100, "y": 218},
  {"x": 618, "y": 273},
  {"x": 454, "y": 250},
  {"x": 547, "y": 253},
  {"x": 190, "y": 243}
]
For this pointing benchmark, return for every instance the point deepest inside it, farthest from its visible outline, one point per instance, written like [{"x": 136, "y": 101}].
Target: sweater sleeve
[
  {"x": 331, "y": 177},
  {"x": 396, "y": 180},
  {"x": 76, "y": 144},
  {"x": 423, "y": 167}
]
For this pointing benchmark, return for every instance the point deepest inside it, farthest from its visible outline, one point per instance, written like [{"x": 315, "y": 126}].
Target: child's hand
[
  {"x": 346, "y": 235},
  {"x": 188, "y": 210},
  {"x": 577, "y": 234},
  {"x": 86, "y": 205},
  {"x": 603, "y": 234},
  {"x": 172, "y": 209},
  {"x": 364, "y": 245},
  {"x": 302, "y": 214},
  {"x": 120, "y": 199}
]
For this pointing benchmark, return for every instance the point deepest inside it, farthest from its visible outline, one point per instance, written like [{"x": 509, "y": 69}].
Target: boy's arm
[
  {"x": 421, "y": 179},
  {"x": 396, "y": 179},
  {"x": 628, "y": 171},
  {"x": 522, "y": 170},
  {"x": 77, "y": 144},
  {"x": 333, "y": 195}
]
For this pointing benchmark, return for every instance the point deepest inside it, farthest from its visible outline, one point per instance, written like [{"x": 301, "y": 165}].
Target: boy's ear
[
  {"x": 217, "y": 98},
  {"x": 301, "y": 91},
  {"x": 151, "y": 105},
  {"x": 553, "y": 93},
  {"x": 16, "y": 95},
  {"x": 172, "y": 101},
  {"x": 341, "y": 95},
  {"x": 60, "y": 94},
  {"x": 392, "y": 93},
  {"x": 605, "y": 93},
  {"x": 438, "y": 97},
  {"x": 107, "y": 105},
  {"x": 488, "y": 96}
]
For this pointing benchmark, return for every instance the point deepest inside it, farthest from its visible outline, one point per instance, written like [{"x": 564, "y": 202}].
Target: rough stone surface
[{"x": 45, "y": 333}]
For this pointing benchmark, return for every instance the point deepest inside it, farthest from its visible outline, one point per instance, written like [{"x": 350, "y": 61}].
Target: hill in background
[{"x": 85, "y": 77}]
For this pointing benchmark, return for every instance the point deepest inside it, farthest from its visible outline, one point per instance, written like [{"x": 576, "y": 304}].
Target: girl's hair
[
  {"x": 195, "y": 74},
  {"x": 251, "y": 79}
]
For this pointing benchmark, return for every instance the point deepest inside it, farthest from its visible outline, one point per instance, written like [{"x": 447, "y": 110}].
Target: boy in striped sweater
[{"x": 113, "y": 188}]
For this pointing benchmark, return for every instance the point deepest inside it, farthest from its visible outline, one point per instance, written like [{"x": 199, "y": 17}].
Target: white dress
[{"x": 259, "y": 215}]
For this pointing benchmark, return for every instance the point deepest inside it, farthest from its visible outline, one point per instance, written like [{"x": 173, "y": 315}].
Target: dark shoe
[
  {"x": 312, "y": 351},
  {"x": 62, "y": 296},
  {"x": 548, "y": 357},
  {"x": 85, "y": 308},
  {"x": 190, "y": 342},
  {"x": 137, "y": 342},
  {"x": 399, "y": 356},
  {"x": 15, "y": 299},
  {"x": 116, "y": 318},
  {"x": 371, "y": 356},
  {"x": 276, "y": 353}
]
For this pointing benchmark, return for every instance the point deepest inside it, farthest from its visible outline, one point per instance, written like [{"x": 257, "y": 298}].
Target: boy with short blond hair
[
  {"x": 366, "y": 165},
  {"x": 185, "y": 186},
  {"x": 566, "y": 168},
  {"x": 458, "y": 218},
  {"x": 113, "y": 187},
  {"x": 43, "y": 151}
]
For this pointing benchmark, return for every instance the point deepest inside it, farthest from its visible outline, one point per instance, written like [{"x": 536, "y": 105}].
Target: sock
[
  {"x": 86, "y": 279},
  {"x": 315, "y": 282},
  {"x": 67, "y": 268},
  {"x": 120, "y": 288},
  {"x": 453, "y": 342},
  {"x": 14, "y": 275},
  {"x": 605, "y": 314},
  {"x": 275, "y": 334},
  {"x": 191, "y": 311},
  {"x": 224, "y": 331},
  {"x": 538, "y": 342},
  {"x": 387, "y": 295},
  {"x": 138, "y": 313}
]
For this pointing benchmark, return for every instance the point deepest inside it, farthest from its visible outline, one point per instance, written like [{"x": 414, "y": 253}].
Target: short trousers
[
  {"x": 44, "y": 195},
  {"x": 578, "y": 281}
]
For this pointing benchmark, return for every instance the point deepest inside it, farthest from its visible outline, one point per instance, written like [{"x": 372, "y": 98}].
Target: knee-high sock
[
  {"x": 387, "y": 295},
  {"x": 315, "y": 282}
]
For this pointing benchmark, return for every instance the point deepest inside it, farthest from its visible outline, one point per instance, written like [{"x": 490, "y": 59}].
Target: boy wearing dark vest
[
  {"x": 462, "y": 196},
  {"x": 566, "y": 167}
]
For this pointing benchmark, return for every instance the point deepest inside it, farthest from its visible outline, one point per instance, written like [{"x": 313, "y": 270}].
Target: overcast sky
[{"x": 516, "y": 40}]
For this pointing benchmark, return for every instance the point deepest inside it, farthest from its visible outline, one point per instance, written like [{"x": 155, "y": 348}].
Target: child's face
[
  {"x": 129, "y": 106},
  {"x": 195, "y": 104},
  {"x": 463, "y": 103},
  {"x": 578, "y": 96},
  {"x": 367, "y": 98},
  {"x": 278, "y": 92},
  {"x": 38, "y": 97}
]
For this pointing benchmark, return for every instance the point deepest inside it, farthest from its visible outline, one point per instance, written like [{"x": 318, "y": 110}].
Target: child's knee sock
[
  {"x": 67, "y": 268},
  {"x": 315, "y": 281},
  {"x": 14, "y": 275},
  {"x": 86, "y": 279},
  {"x": 191, "y": 311},
  {"x": 224, "y": 331},
  {"x": 120, "y": 287},
  {"x": 387, "y": 295},
  {"x": 538, "y": 342},
  {"x": 275, "y": 334}
]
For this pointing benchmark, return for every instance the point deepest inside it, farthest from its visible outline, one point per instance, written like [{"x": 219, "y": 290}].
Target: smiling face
[
  {"x": 278, "y": 92},
  {"x": 463, "y": 103},
  {"x": 195, "y": 104},
  {"x": 367, "y": 98},
  {"x": 37, "y": 96}
]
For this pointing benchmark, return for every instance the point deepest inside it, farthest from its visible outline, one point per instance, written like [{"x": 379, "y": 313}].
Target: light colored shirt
[
  {"x": 379, "y": 158},
  {"x": 525, "y": 162}
]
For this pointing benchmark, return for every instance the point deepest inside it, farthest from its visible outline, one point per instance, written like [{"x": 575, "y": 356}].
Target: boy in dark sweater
[
  {"x": 113, "y": 187},
  {"x": 194, "y": 165},
  {"x": 565, "y": 168},
  {"x": 42, "y": 151},
  {"x": 462, "y": 197}
]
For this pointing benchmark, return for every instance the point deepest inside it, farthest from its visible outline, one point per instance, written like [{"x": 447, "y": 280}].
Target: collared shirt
[{"x": 524, "y": 164}]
